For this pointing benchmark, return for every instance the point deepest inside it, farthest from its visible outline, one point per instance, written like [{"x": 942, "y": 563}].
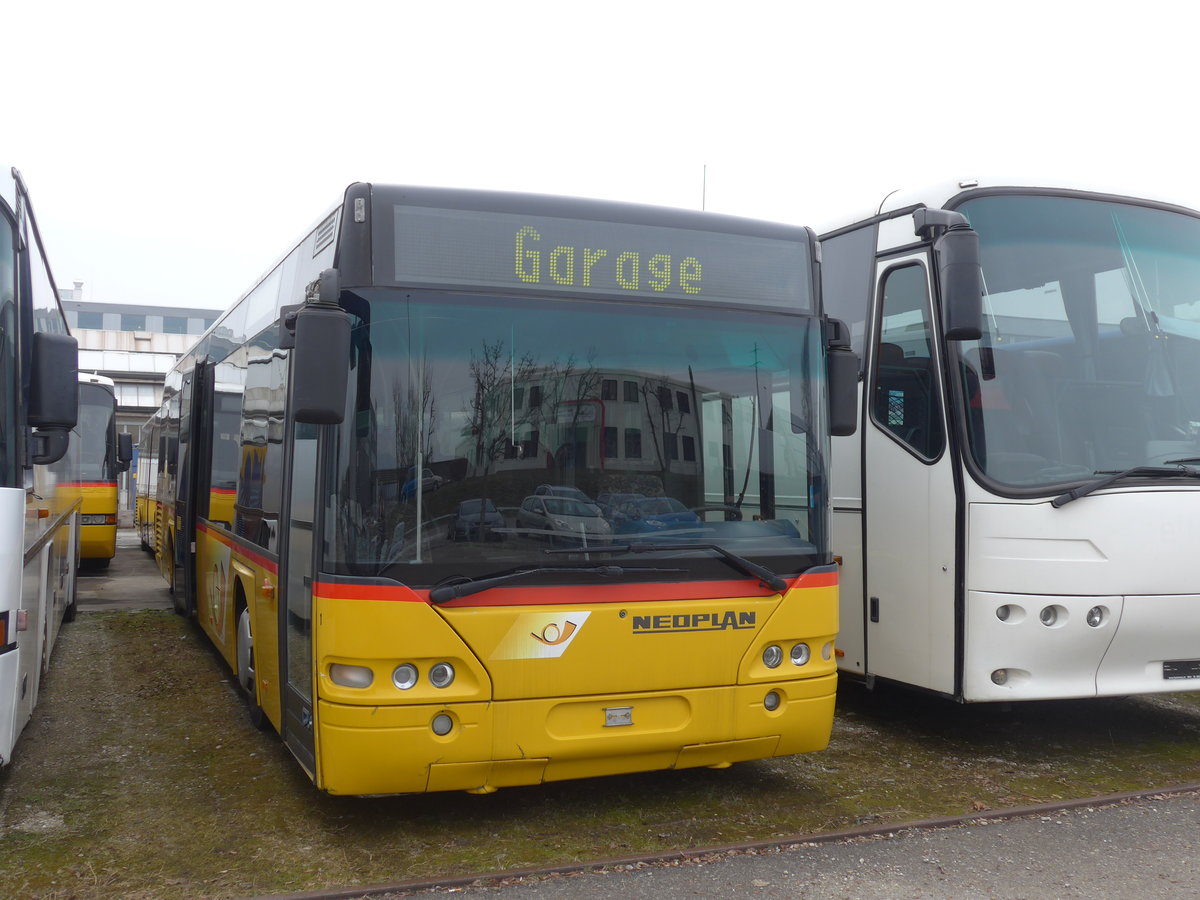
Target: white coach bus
[
  {"x": 39, "y": 521},
  {"x": 1018, "y": 515}
]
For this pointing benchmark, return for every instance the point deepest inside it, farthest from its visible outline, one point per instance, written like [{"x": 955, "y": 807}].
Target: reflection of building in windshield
[{"x": 616, "y": 421}]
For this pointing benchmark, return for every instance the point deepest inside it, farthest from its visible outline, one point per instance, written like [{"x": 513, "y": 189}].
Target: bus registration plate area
[{"x": 1179, "y": 669}]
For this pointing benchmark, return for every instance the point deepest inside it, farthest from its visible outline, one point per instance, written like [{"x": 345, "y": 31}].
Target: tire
[{"x": 245, "y": 669}]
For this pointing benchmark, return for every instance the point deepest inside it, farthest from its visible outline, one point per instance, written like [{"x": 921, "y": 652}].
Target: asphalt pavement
[{"x": 1142, "y": 849}]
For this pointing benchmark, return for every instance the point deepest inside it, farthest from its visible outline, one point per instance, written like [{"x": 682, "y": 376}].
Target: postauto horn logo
[{"x": 540, "y": 635}]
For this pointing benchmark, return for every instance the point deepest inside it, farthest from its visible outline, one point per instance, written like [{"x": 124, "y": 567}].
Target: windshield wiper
[
  {"x": 447, "y": 592},
  {"x": 1178, "y": 470},
  {"x": 743, "y": 565}
]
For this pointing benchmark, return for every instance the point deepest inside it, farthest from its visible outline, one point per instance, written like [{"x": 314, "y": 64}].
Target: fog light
[
  {"x": 405, "y": 676},
  {"x": 772, "y": 656},
  {"x": 441, "y": 675},
  {"x": 442, "y": 724},
  {"x": 351, "y": 676},
  {"x": 1048, "y": 615},
  {"x": 1000, "y": 676},
  {"x": 1095, "y": 616},
  {"x": 800, "y": 654},
  {"x": 1003, "y": 612},
  {"x": 771, "y": 701}
]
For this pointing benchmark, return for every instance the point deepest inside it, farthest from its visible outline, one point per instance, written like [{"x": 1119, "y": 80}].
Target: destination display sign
[{"x": 498, "y": 251}]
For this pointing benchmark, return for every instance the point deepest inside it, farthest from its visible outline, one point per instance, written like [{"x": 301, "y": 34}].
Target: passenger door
[
  {"x": 297, "y": 569},
  {"x": 909, "y": 499}
]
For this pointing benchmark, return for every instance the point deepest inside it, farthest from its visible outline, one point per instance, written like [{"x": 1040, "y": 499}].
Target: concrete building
[{"x": 135, "y": 346}]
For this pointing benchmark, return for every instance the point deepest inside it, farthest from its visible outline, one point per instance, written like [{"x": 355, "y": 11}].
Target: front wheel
[{"x": 245, "y": 669}]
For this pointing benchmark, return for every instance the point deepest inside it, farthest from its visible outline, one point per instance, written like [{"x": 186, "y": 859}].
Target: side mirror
[
  {"x": 124, "y": 451},
  {"x": 961, "y": 280},
  {"x": 54, "y": 382},
  {"x": 320, "y": 364},
  {"x": 48, "y": 447},
  {"x": 842, "y": 377}
]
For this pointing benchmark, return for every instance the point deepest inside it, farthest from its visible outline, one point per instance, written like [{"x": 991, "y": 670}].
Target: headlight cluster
[
  {"x": 800, "y": 654},
  {"x": 405, "y": 676}
]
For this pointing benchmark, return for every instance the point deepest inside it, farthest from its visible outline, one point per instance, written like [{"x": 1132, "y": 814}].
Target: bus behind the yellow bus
[{"x": 104, "y": 454}]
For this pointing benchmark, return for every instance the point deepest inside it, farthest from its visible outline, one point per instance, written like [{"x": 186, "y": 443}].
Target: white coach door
[{"x": 908, "y": 489}]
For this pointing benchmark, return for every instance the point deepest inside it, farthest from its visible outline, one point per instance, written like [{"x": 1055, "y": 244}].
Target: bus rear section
[{"x": 553, "y": 509}]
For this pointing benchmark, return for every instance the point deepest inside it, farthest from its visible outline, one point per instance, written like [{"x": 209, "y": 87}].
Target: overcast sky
[{"x": 175, "y": 152}]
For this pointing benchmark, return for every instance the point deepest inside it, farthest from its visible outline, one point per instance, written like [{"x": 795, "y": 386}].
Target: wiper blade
[
  {"x": 1112, "y": 477},
  {"x": 447, "y": 592},
  {"x": 775, "y": 582}
]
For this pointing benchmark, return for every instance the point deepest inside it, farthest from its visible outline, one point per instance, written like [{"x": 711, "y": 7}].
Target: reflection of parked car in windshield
[
  {"x": 564, "y": 490},
  {"x": 563, "y": 519},
  {"x": 429, "y": 482},
  {"x": 476, "y": 520},
  {"x": 610, "y": 504},
  {"x": 652, "y": 514}
]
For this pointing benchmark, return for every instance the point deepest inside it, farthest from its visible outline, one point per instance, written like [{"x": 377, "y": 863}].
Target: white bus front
[{"x": 1027, "y": 503}]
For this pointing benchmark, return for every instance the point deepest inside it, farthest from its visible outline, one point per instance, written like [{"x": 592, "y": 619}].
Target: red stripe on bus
[
  {"x": 578, "y": 593},
  {"x": 240, "y": 547}
]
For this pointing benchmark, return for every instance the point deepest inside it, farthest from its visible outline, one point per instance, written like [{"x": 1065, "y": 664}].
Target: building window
[
  {"x": 671, "y": 446},
  {"x": 631, "y": 392},
  {"x": 133, "y": 322},
  {"x": 610, "y": 441},
  {"x": 682, "y": 401},
  {"x": 174, "y": 325},
  {"x": 91, "y": 320},
  {"x": 689, "y": 448},
  {"x": 535, "y": 397},
  {"x": 664, "y": 398},
  {"x": 633, "y": 443},
  {"x": 608, "y": 389},
  {"x": 518, "y": 397}
]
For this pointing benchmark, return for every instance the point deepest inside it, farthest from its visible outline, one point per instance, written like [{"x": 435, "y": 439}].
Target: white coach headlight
[{"x": 772, "y": 656}]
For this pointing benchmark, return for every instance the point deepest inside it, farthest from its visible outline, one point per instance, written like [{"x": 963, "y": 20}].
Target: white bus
[
  {"x": 39, "y": 523},
  {"x": 1017, "y": 516}
]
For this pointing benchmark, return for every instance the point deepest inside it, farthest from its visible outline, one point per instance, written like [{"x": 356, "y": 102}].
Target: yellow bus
[
  {"x": 380, "y": 477},
  {"x": 103, "y": 456}
]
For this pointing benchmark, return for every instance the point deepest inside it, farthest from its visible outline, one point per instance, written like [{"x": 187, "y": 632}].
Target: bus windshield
[
  {"x": 97, "y": 428},
  {"x": 529, "y": 419},
  {"x": 1089, "y": 360}
]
